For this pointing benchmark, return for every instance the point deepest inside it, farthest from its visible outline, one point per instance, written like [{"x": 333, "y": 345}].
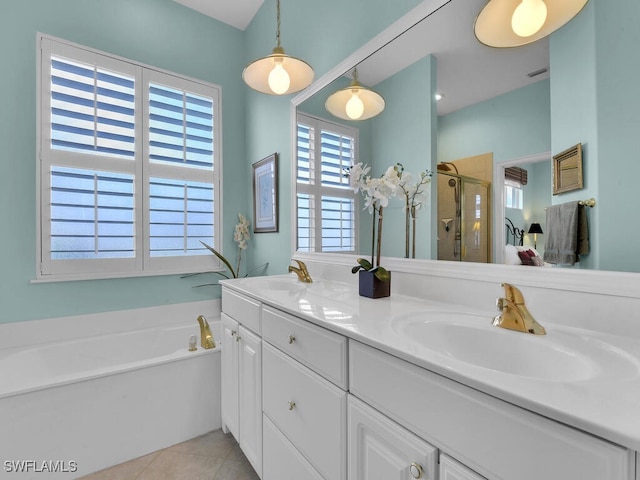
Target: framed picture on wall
[
  {"x": 265, "y": 194},
  {"x": 567, "y": 170}
]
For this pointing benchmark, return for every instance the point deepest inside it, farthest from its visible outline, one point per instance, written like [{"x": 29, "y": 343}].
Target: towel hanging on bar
[{"x": 567, "y": 233}]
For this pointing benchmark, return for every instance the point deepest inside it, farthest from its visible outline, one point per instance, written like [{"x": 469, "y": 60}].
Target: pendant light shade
[
  {"x": 355, "y": 102},
  {"x": 278, "y": 73},
  {"x": 512, "y": 23}
]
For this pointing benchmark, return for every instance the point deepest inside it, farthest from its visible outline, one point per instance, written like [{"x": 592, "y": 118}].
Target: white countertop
[{"x": 603, "y": 400}]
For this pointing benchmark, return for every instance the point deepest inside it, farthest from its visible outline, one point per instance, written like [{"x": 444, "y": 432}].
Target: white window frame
[
  {"x": 516, "y": 186},
  {"x": 317, "y": 190},
  {"x": 142, "y": 264}
]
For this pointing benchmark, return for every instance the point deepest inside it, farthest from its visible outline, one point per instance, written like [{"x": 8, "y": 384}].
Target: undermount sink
[{"x": 561, "y": 355}]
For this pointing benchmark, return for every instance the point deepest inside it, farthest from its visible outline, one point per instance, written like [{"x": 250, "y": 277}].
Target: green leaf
[
  {"x": 382, "y": 274},
  {"x": 365, "y": 264},
  {"x": 356, "y": 269},
  {"x": 221, "y": 257},
  {"x": 264, "y": 265}
]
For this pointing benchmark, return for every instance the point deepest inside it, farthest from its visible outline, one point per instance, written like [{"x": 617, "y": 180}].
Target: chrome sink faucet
[
  {"x": 514, "y": 313},
  {"x": 206, "y": 337},
  {"x": 301, "y": 271}
]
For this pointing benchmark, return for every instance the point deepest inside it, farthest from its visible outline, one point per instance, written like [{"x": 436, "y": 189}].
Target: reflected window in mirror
[
  {"x": 513, "y": 195},
  {"x": 326, "y": 216}
]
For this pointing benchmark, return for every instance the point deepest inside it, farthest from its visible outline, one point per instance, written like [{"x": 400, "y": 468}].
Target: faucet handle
[
  {"x": 300, "y": 263},
  {"x": 513, "y": 294}
]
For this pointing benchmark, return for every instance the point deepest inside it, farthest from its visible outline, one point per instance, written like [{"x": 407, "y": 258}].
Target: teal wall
[
  {"x": 574, "y": 111},
  {"x": 312, "y": 31},
  {"x": 161, "y": 33},
  {"x": 164, "y": 34},
  {"x": 538, "y": 196},
  {"x": 405, "y": 133},
  {"x": 511, "y": 126},
  {"x": 595, "y": 103}
]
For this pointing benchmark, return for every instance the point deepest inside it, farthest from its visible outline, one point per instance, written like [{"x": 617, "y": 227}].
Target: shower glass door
[{"x": 464, "y": 224}]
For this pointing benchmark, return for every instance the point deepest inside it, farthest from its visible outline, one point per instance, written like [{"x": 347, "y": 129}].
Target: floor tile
[
  {"x": 173, "y": 465},
  {"x": 214, "y": 444},
  {"x": 236, "y": 453},
  {"x": 125, "y": 471},
  {"x": 236, "y": 470}
]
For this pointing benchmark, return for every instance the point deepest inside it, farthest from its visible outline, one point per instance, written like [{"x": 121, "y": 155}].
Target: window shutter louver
[
  {"x": 92, "y": 110},
  {"x": 128, "y": 170},
  {"x": 92, "y": 214},
  {"x": 325, "y": 203},
  {"x": 337, "y": 156},
  {"x": 181, "y": 215},
  {"x": 180, "y": 127}
]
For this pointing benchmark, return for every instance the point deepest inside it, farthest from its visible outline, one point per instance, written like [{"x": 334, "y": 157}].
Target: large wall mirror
[{"x": 494, "y": 112}]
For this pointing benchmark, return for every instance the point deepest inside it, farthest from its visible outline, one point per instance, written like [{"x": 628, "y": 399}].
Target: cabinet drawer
[
  {"x": 308, "y": 410},
  {"x": 492, "y": 437},
  {"x": 242, "y": 309},
  {"x": 316, "y": 347},
  {"x": 282, "y": 461}
]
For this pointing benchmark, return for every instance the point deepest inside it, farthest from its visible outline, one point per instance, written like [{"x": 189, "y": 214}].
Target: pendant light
[
  {"x": 355, "y": 102},
  {"x": 512, "y": 23},
  {"x": 278, "y": 73}
]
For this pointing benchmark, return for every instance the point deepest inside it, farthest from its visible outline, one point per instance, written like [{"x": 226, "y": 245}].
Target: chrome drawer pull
[
  {"x": 291, "y": 339},
  {"x": 292, "y": 404},
  {"x": 416, "y": 470}
]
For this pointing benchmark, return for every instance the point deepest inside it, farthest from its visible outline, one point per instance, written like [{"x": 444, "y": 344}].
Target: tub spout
[{"x": 206, "y": 337}]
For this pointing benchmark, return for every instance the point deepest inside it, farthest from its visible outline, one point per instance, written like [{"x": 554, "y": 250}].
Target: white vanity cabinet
[
  {"x": 492, "y": 437},
  {"x": 242, "y": 374},
  {"x": 380, "y": 449},
  {"x": 304, "y": 401}
]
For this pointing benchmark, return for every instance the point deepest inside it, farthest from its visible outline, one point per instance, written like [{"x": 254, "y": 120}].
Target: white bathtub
[{"x": 77, "y": 406}]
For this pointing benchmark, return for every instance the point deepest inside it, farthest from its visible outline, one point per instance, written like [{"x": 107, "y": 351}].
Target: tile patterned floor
[{"x": 214, "y": 456}]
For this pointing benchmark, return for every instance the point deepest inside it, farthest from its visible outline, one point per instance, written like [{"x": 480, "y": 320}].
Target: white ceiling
[
  {"x": 468, "y": 72},
  {"x": 237, "y": 13}
]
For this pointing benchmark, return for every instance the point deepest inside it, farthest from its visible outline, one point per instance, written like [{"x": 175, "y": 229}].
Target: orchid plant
[
  {"x": 415, "y": 195},
  {"x": 376, "y": 193}
]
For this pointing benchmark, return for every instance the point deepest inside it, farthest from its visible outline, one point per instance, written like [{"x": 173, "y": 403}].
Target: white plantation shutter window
[
  {"x": 326, "y": 205},
  {"x": 128, "y": 166}
]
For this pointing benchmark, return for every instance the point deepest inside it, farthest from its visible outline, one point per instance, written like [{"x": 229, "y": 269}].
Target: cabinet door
[
  {"x": 451, "y": 469},
  {"x": 380, "y": 449},
  {"x": 229, "y": 377},
  {"x": 250, "y": 396}
]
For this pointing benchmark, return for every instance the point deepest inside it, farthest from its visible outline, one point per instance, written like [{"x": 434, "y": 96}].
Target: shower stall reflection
[{"x": 464, "y": 223}]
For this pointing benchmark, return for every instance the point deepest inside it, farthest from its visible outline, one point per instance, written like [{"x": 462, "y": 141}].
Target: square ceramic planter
[{"x": 372, "y": 287}]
